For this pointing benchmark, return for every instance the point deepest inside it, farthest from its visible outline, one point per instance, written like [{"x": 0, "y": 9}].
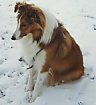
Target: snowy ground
[{"x": 79, "y": 16}]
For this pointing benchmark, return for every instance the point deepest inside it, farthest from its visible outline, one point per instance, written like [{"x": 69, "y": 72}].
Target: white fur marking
[
  {"x": 50, "y": 72},
  {"x": 17, "y": 32},
  {"x": 40, "y": 60},
  {"x": 51, "y": 23},
  {"x": 29, "y": 49}
]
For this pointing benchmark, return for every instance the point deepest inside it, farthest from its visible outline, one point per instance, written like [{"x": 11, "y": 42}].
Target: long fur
[
  {"x": 51, "y": 23},
  {"x": 48, "y": 47}
]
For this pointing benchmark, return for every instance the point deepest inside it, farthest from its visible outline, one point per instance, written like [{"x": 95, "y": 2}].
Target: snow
[{"x": 79, "y": 18}]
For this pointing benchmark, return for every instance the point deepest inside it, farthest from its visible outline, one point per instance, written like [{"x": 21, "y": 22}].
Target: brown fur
[{"x": 64, "y": 59}]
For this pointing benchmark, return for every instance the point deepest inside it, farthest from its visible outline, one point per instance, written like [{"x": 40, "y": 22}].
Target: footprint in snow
[{"x": 1, "y": 93}]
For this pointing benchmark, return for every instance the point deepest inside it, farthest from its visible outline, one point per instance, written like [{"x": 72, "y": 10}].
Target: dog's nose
[{"x": 13, "y": 38}]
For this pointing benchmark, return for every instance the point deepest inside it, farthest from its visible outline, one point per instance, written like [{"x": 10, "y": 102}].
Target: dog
[{"x": 51, "y": 52}]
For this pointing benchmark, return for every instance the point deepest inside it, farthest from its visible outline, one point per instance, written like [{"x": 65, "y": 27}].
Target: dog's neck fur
[{"x": 51, "y": 23}]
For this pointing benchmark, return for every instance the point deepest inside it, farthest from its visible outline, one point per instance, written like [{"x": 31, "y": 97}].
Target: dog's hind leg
[{"x": 73, "y": 75}]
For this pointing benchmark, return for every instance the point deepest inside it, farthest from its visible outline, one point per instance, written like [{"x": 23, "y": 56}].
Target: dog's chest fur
[{"x": 29, "y": 50}]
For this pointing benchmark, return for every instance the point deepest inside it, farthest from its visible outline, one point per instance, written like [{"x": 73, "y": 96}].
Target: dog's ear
[{"x": 20, "y": 7}]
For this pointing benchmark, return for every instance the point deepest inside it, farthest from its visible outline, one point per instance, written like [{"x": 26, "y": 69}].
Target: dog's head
[{"x": 31, "y": 20}]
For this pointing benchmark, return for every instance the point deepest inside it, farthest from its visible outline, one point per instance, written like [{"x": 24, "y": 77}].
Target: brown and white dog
[{"x": 47, "y": 47}]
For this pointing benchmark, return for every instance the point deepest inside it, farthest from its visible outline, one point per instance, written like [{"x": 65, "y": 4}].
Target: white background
[{"x": 79, "y": 17}]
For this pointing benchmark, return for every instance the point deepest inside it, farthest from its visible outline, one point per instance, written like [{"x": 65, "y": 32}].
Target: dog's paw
[
  {"x": 32, "y": 99},
  {"x": 28, "y": 88},
  {"x": 29, "y": 96}
]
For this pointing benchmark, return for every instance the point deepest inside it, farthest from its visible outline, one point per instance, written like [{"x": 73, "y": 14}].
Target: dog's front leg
[
  {"x": 41, "y": 78},
  {"x": 30, "y": 83}
]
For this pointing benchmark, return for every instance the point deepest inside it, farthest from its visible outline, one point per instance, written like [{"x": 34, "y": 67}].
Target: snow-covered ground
[{"x": 79, "y": 16}]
